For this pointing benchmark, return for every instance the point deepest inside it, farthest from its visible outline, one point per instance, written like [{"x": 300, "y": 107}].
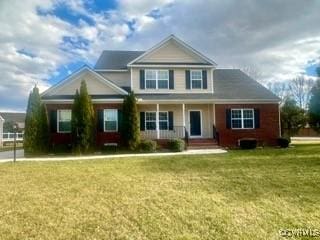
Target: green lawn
[{"x": 238, "y": 195}]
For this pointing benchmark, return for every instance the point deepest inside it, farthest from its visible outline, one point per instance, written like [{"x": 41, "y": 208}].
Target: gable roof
[
  {"x": 76, "y": 75},
  {"x": 17, "y": 117},
  {"x": 180, "y": 43},
  {"x": 235, "y": 84},
  {"x": 113, "y": 59}
]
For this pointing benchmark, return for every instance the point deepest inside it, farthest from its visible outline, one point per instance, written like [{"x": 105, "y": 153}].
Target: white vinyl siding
[{"x": 242, "y": 118}]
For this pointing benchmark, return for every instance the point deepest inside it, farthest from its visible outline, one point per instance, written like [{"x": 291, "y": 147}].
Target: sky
[{"x": 43, "y": 41}]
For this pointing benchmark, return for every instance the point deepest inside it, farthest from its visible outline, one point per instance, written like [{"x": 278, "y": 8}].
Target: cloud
[{"x": 277, "y": 38}]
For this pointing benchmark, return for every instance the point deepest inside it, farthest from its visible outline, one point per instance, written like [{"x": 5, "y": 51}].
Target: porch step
[{"x": 202, "y": 144}]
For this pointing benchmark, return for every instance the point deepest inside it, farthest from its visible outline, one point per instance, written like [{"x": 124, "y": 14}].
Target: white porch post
[
  {"x": 157, "y": 122},
  {"x": 183, "y": 119}
]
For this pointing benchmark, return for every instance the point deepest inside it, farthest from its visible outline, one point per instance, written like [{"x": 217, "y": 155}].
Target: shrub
[
  {"x": 61, "y": 149},
  {"x": 148, "y": 145},
  {"x": 283, "y": 142},
  {"x": 248, "y": 143},
  {"x": 176, "y": 145}
]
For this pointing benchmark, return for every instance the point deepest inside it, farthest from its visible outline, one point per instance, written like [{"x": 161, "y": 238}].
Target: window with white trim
[
  {"x": 64, "y": 120},
  {"x": 242, "y": 118},
  {"x": 156, "y": 79},
  {"x": 163, "y": 121},
  {"x": 196, "y": 79},
  {"x": 110, "y": 117},
  {"x": 151, "y": 120}
]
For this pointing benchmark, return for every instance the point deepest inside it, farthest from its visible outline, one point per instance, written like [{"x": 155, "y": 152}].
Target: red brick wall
[
  {"x": 101, "y": 137},
  {"x": 267, "y": 133}
]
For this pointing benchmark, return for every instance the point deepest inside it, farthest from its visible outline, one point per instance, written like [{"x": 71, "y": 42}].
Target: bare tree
[
  {"x": 280, "y": 89},
  {"x": 299, "y": 89},
  {"x": 254, "y": 73}
]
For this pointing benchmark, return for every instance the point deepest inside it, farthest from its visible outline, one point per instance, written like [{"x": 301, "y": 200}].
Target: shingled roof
[
  {"x": 235, "y": 84},
  {"x": 229, "y": 84},
  {"x": 113, "y": 59},
  {"x": 17, "y": 117}
]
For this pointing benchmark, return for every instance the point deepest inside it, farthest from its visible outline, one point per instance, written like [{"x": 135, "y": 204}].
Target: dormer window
[
  {"x": 196, "y": 79},
  {"x": 156, "y": 79}
]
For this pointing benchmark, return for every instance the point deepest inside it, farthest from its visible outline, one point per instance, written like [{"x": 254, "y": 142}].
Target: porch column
[
  {"x": 183, "y": 119},
  {"x": 157, "y": 122}
]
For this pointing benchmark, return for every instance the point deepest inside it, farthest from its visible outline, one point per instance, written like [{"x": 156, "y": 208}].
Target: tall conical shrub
[
  {"x": 36, "y": 136},
  {"x": 82, "y": 123},
  {"x": 130, "y": 129}
]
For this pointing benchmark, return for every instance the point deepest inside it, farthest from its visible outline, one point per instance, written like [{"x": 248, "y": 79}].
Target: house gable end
[
  {"x": 96, "y": 84},
  {"x": 172, "y": 50}
]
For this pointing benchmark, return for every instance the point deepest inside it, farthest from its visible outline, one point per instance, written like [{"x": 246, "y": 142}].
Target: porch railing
[
  {"x": 176, "y": 132},
  {"x": 9, "y": 137}
]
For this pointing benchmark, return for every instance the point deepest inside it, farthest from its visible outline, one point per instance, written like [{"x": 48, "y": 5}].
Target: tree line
[
  {"x": 300, "y": 104},
  {"x": 83, "y": 124}
]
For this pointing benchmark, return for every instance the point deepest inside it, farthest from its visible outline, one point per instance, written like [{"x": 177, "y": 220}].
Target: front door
[{"x": 195, "y": 123}]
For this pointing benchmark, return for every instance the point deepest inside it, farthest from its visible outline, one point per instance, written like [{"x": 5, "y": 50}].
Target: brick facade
[
  {"x": 267, "y": 133},
  {"x": 101, "y": 137}
]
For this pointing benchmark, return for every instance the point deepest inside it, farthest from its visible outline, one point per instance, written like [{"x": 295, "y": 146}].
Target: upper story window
[
  {"x": 110, "y": 120},
  {"x": 196, "y": 79},
  {"x": 156, "y": 79},
  {"x": 242, "y": 118},
  {"x": 64, "y": 120}
]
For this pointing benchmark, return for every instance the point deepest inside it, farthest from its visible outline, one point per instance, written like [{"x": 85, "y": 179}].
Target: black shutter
[
  {"x": 100, "y": 120},
  {"x": 53, "y": 121},
  {"x": 142, "y": 79},
  {"x": 142, "y": 124},
  {"x": 171, "y": 79},
  {"x": 187, "y": 79},
  {"x": 228, "y": 118},
  {"x": 204, "y": 79},
  {"x": 119, "y": 120},
  {"x": 170, "y": 120},
  {"x": 256, "y": 118}
]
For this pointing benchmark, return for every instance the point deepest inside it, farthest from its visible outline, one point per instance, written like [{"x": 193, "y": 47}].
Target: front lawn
[{"x": 238, "y": 195}]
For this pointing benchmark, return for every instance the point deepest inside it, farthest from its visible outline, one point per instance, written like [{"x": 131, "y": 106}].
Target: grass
[{"x": 239, "y": 195}]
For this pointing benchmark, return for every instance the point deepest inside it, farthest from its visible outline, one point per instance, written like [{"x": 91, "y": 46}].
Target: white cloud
[{"x": 278, "y": 38}]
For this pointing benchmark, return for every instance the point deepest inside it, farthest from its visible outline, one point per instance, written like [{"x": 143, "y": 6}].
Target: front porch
[{"x": 186, "y": 121}]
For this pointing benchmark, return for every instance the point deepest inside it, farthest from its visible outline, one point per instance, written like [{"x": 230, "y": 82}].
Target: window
[
  {"x": 163, "y": 79},
  {"x": 110, "y": 120},
  {"x": 64, "y": 121},
  {"x": 196, "y": 79},
  {"x": 242, "y": 118},
  {"x": 151, "y": 120},
  {"x": 163, "y": 121},
  {"x": 151, "y": 79},
  {"x": 157, "y": 79}
]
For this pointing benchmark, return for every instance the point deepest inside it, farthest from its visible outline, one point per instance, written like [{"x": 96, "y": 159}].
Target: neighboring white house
[{"x": 1, "y": 130}]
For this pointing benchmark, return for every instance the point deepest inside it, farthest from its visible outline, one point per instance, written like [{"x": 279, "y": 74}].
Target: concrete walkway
[
  {"x": 188, "y": 152},
  {"x": 302, "y": 140},
  {"x": 9, "y": 154}
]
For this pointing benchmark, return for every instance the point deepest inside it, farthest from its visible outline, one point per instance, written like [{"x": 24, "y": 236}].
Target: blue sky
[{"x": 43, "y": 41}]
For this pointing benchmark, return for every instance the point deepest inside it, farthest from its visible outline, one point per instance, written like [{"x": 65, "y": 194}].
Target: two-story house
[{"x": 180, "y": 93}]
